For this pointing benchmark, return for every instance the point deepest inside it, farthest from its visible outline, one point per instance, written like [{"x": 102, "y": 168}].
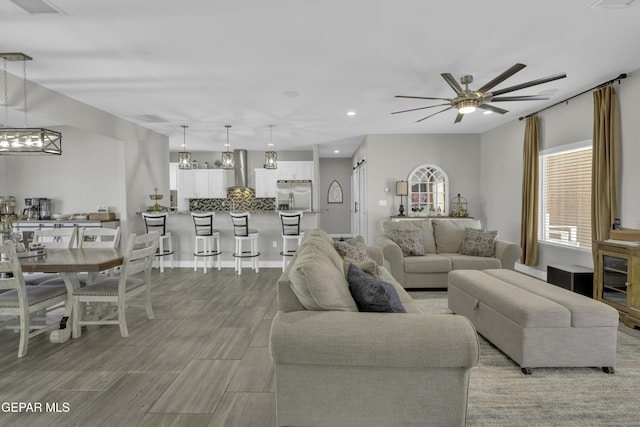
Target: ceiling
[{"x": 301, "y": 65}]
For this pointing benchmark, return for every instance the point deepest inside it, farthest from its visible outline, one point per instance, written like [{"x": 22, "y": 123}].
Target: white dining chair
[
  {"x": 18, "y": 299},
  {"x": 139, "y": 255},
  {"x": 51, "y": 238}
]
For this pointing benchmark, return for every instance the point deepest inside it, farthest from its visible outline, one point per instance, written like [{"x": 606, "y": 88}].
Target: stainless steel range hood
[{"x": 240, "y": 171}]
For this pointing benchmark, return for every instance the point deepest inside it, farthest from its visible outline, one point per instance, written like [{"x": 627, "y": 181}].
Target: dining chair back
[
  {"x": 55, "y": 238},
  {"x": 99, "y": 237},
  {"x": 138, "y": 258},
  {"x": 17, "y": 299}
]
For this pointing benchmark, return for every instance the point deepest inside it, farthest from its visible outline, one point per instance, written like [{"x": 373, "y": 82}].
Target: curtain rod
[{"x": 620, "y": 77}]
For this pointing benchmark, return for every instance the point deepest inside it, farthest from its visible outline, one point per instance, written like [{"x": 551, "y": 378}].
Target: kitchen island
[{"x": 267, "y": 222}]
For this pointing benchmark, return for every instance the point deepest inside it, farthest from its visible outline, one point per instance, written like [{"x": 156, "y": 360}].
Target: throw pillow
[
  {"x": 354, "y": 248},
  {"x": 449, "y": 233},
  {"x": 319, "y": 285},
  {"x": 479, "y": 243},
  {"x": 370, "y": 267},
  {"x": 410, "y": 241},
  {"x": 371, "y": 294}
]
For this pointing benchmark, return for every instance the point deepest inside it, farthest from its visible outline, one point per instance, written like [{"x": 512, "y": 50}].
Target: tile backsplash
[{"x": 217, "y": 205}]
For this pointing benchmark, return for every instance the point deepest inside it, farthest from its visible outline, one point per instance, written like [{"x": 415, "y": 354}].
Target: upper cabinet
[
  {"x": 288, "y": 170},
  {"x": 202, "y": 184},
  {"x": 266, "y": 182}
]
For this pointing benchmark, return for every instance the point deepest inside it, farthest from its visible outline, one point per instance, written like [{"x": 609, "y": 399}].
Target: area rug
[{"x": 500, "y": 395}]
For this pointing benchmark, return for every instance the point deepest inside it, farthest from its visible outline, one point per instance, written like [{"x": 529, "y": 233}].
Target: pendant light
[
  {"x": 25, "y": 141},
  {"x": 184, "y": 157},
  {"x": 270, "y": 157},
  {"x": 228, "y": 161}
]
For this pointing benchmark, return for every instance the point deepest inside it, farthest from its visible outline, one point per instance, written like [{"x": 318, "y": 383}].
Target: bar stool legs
[
  {"x": 210, "y": 248},
  {"x": 287, "y": 251},
  {"x": 290, "y": 232}
]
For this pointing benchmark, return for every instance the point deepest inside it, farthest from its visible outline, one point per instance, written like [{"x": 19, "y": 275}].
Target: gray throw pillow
[
  {"x": 410, "y": 241},
  {"x": 370, "y": 267},
  {"x": 479, "y": 243},
  {"x": 371, "y": 294}
]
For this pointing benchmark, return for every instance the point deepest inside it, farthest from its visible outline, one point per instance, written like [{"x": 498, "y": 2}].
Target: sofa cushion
[
  {"x": 371, "y": 294},
  {"x": 318, "y": 284},
  {"x": 424, "y": 225},
  {"x": 449, "y": 233},
  {"x": 478, "y": 242},
  {"x": 370, "y": 267},
  {"x": 326, "y": 248},
  {"x": 409, "y": 241},
  {"x": 470, "y": 262},
  {"x": 354, "y": 248},
  {"x": 430, "y": 263}
]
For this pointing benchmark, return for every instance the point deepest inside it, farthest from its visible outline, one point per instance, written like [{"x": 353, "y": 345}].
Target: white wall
[
  {"x": 501, "y": 160},
  {"x": 391, "y": 158}
]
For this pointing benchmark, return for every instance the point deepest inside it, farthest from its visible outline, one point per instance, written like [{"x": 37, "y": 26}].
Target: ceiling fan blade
[
  {"x": 441, "y": 111},
  {"x": 529, "y": 84},
  {"x": 502, "y": 77},
  {"x": 519, "y": 98},
  {"x": 423, "y": 97},
  {"x": 421, "y": 108},
  {"x": 493, "y": 108},
  {"x": 458, "y": 118},
  {"x": 453, "y": 83}
]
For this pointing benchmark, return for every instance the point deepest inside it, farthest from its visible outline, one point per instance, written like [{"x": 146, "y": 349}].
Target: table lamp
[{"x": 402, "y": 189}]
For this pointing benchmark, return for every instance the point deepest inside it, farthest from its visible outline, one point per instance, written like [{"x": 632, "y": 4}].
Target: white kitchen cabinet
[
  {"x": 217, "y": 183},
  {"x": 295, "y": 170},
  {"x": 266, "y": 182},
  {"x": 202, "y": 184}
]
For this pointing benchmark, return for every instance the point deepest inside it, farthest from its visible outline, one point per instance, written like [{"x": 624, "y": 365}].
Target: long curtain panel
[
  {"x": 529, "y": 220},
  {"x": 606, "y": 158}
]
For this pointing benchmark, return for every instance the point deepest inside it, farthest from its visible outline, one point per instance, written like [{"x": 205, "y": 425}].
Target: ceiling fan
[{"x": 467, "y": 100}]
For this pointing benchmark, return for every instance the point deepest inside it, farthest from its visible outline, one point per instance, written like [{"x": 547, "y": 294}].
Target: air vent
[
  {"x": 35, "y": 7},
  {"x": 613, "y": 4}
]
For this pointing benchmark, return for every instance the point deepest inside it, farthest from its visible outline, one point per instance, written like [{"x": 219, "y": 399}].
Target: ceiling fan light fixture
[{"x": 467, "y": 106}]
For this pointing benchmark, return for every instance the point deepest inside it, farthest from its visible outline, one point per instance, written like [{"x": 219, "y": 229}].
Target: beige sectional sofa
[
  {"x": 442, "y": 239},
  {"x": 336, "y": 366}
]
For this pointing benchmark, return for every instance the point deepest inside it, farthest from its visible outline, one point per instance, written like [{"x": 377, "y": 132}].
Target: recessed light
[
  {"x": 351, "y": 113},
  {"x": 336, "y": 151},
  {"x": 270, "y": 144},
  {"x": 487, "y": 112}
]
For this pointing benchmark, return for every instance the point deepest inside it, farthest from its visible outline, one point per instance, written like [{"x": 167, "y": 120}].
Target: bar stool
[
  {"x": 290, "y": 232},
  {"x": 243, "y": 233},
  {"x": 208, "y": 236},
  {"x": 157, "y": 221}
]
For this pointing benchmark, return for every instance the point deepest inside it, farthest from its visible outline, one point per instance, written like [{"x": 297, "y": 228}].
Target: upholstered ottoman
[{"x": 535, "y": 323}]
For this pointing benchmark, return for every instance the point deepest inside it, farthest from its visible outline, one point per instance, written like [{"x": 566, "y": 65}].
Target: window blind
[{"x": 565, "y": 208}]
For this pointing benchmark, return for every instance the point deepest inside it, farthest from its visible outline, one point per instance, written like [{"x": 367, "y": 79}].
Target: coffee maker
[{"x": 37, "y": 208}]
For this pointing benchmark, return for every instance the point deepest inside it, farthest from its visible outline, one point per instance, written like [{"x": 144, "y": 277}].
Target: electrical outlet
[{"x": 275, "y": 244}]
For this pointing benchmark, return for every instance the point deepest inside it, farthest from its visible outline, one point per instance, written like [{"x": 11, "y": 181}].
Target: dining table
[{"x": 68, "y": 263}]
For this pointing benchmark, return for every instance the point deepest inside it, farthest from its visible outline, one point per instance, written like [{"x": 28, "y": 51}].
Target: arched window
[{"x": 429, "y": 190}]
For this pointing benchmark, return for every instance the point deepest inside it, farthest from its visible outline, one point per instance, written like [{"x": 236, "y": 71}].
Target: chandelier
[
  {"x": 270, "y": 157},
  {"x": 184, "y": 157},
  {"x": 228, "y": 161},
  {"x": 24, "y": 141}
]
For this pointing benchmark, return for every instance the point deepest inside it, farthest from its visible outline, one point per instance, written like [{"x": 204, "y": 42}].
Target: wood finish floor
[{"x": 203, "y": 361}]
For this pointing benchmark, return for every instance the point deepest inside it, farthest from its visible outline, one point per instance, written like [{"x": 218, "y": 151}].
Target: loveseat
[
  {"x": 337, "y": 366},
  {"x": 420, "y": 253}
]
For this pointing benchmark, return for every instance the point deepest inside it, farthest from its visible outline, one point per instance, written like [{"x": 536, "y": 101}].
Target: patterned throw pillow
[
  {"x": 479, "y": 243},
  {"x": 410, "y": 241},
  {"x": 354, "y": 248}
]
